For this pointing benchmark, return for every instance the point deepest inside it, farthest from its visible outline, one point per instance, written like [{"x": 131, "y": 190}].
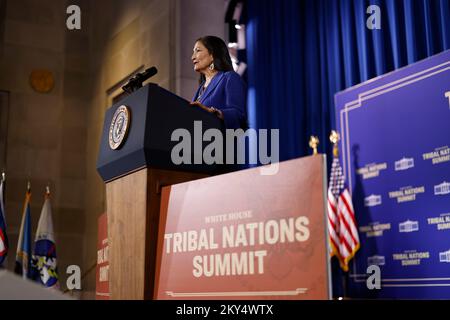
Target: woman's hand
[{"x": 218, "y": 113}]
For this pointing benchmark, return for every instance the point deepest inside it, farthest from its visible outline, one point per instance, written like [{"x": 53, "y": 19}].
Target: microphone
[{"x": 136, "y": 82}]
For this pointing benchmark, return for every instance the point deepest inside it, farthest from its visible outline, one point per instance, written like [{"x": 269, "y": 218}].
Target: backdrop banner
[{"x": 395, "y": 151}]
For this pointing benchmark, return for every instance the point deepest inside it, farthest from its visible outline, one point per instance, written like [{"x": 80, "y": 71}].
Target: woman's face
[{"x": 201, "y": 58}]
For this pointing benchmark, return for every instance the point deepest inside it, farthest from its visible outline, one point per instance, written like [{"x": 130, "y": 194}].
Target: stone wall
[
  {"x": 54, "y": 137},
  {"x": 46, "y": 141}
]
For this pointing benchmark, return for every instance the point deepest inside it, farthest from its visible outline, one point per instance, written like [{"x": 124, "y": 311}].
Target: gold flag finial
[
  {"x": 28, "y": 186},
  {"x": 3, "y": 177},
  {"x": 313, "y": 143},
  {"x": 334, "y": 138}
]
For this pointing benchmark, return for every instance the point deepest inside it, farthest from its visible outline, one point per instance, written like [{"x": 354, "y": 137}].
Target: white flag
[{"x": 44, "y": 255}]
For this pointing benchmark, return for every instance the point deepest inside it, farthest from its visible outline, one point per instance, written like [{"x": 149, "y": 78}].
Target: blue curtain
[{"x": 300, "y": 53}]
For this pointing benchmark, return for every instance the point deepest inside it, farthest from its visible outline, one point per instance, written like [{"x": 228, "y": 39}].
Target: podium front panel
[{"x": 245, "y": 235}]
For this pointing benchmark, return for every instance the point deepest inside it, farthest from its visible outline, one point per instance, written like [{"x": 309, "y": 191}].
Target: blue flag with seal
[
  {"x": 44, "y": 255},
  {"x": 3, "y": 237},
  {"x": 23, "y": 253}
]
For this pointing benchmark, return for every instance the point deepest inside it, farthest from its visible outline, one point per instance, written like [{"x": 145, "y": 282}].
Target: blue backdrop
[
  {"x": 300, "y": 53},
  {"x": 395, "y": 154}
]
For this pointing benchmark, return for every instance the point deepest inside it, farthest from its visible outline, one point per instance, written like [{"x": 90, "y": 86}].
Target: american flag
[{"x": 344, "y": 239}]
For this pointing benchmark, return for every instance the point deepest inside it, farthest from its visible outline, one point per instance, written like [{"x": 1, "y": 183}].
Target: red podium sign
[
  {"x": 244, "y": 235},
  {"x": 102, "y": 269}
]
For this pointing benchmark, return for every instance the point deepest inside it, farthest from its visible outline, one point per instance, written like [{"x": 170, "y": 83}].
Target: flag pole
[
  {"x": 4, "y": 187},
  {"x": 344, "y": 285},
  {"x": 334, "y": 138}
]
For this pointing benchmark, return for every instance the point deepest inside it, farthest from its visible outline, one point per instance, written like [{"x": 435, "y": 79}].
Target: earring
[{"x": 211, "y": 66}]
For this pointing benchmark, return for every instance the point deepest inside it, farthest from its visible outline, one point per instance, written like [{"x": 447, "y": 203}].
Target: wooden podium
[{"x": 135, "y": 162}]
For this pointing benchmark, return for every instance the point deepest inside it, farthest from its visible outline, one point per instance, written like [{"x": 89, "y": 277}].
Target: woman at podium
[{"x": 222, "y": 91}]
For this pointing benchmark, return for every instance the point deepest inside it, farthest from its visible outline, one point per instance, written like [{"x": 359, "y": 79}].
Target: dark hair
[{"x": 219, "y": 50}]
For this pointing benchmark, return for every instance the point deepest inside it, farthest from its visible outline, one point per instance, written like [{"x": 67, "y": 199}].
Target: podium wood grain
[{"x": 133, "y": 203}]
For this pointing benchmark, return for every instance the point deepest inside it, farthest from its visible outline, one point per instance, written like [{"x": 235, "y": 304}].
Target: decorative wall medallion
[{"x": 42, "y": 81}]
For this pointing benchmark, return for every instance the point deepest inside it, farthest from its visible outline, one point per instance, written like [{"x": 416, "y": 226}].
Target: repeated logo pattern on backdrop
[{"x": 395, "y": 151}]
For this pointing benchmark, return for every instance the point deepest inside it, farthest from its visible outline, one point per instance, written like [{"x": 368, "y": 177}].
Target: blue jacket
[{"x": 228, "y": 93}]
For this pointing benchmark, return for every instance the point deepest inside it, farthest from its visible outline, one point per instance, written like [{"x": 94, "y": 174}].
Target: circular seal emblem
[{"x": 119, "y": 127}]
